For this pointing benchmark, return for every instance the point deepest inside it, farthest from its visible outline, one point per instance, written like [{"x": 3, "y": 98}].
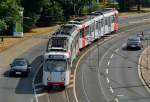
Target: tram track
[{"x": 57, "y": 96}]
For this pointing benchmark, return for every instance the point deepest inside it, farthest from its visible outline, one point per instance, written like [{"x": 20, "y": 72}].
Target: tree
[
  {"x": 9, "y": 13},
  {"x": 51, "y": 12},
  {"x": 138, "y": 5},
  {"x": 32, "y": 11},
  {"x": 3, "y": 25}
]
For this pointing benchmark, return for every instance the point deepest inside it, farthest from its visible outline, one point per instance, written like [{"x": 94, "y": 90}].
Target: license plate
[
  {"x": 132, "y": 45},
  {"x": 18, "y": 72}
]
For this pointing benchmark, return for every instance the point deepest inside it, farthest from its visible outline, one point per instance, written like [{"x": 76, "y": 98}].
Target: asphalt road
[
  {"x": 16, "y": 89},
  {"x": 19, "y": 89},
  {"x": 109, "y": 73}
]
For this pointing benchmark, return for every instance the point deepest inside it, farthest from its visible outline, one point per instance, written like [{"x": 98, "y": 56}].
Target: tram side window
[
  {"x": 87, "y": 30},
  {"x": 92, "y": 27},
  {"x": 109, "y": 21},
  {"x": 81, "y": 33},
  {"x": 97, "y": 25},
  {"x": 113, "y": 19},
  {"x": 106, "y": 21},
  {"x": 102, "y": 22}
]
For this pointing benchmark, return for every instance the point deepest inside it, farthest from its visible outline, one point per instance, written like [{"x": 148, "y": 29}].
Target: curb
[{"x": 147, "y": 87}]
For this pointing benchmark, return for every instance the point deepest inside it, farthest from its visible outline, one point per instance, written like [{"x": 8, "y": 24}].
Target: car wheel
[
  {"x": 11, "y": 74},
  {"x": 28, "y": 70},
  {"x": 25, "y": 74}
]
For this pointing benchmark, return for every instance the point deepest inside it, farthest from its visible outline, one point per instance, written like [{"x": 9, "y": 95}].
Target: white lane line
[
  {"x": 107, "y": 71},
  {"x": 111, "y": 89},
  {"x": 38, "y": 84},
  {"x": 33, "y": 84},
  {"x": 117, "y": 50},
  {"x": 42, "y": 94},
  {"x": 38, "y": 89},
  {"x": 120, "y": 95},
  {"x": 123, "y": 45},
  {"x": 76, "y": 67},
  {"x": 116, "y": 99},
  {"x": 146, "y": 19},
  {"x": 108, "y": 80},
  {"x": 112, "y": 56},
  {"x": 108, "y": 63}
]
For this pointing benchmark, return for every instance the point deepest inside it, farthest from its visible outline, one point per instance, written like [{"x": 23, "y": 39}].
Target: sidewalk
[{"x": 144, "y": 68}]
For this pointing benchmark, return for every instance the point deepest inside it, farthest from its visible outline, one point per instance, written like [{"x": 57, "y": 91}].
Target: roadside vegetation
[{"x": 48, "y": 12}]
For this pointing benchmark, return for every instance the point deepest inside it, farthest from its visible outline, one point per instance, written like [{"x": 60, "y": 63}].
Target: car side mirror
[{"x": 10, "y": 65}]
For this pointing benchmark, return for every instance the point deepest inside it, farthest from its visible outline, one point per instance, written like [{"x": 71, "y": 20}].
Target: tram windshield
[{"x": 56, "y": 65}]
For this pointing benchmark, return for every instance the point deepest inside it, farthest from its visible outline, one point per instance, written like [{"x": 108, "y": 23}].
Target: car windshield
[
  {"x": 19, "y": 63},
  {"x": 133, "y": 39},
  {"x": 56, "y": 65}
]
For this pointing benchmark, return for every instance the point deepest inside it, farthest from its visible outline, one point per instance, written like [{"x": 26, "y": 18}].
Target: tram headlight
[{"x": 49, "y": 78}]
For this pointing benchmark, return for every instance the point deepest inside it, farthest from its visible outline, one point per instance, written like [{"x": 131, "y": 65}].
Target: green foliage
[
  {"x": 3, "y": 25},
  {"x": 30, "y": 21},
  {"x": 84, "y": 11},
  {"x": 52, "y": 12},
  {"x": 9, "y": 13},
  {"x": 32, "y": 10}
]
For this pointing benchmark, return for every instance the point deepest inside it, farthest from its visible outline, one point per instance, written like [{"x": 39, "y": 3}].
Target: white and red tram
[{"x": 78, "y": 33}]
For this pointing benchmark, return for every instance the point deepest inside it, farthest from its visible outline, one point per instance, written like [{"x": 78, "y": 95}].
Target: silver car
[
  {"x": 20, "y": 66},
  {"x": 134, "y": 42}
]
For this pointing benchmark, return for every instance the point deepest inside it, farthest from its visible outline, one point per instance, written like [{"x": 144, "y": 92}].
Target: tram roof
[
  {"x": 56, "y": 42},
  {"x": 67, "y": 30}
]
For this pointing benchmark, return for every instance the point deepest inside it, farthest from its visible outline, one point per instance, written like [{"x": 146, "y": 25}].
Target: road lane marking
[
  {"x": 77, "y": 64},
  {"x": 123, "y": 45},
  {"x": 111, "y": 89},
  {"x": 116, "y": 99},
  {"x": 33, "y": 84},
  {"x": 112, "y": 56},
  {"x": 117, "y": 50},
  {"x": 108, "y": 80},
  {"x": 139, "y": 70},
  {"x": 107, "y": 71},
  {"x": 120, "y": 95},
  {"x": 42, "y": 94},
  {"x": 38, "y": 84},
  {"x": 38, "y": 89},
  {"x": 108, "y": 63},
  {"x": 71, "y": 81}
]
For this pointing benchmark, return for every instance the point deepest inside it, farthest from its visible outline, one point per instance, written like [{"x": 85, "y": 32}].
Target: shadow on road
[{"x": 25, "y": 83}]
